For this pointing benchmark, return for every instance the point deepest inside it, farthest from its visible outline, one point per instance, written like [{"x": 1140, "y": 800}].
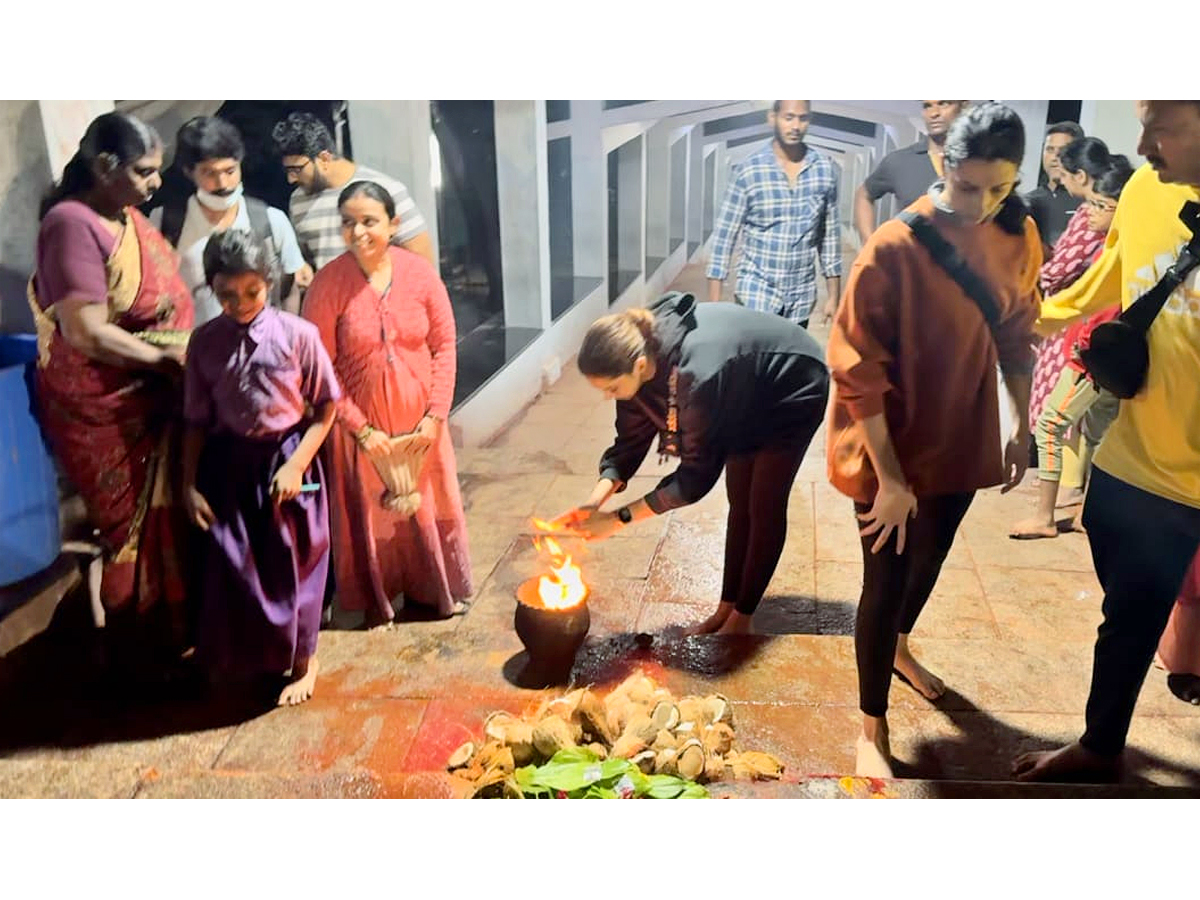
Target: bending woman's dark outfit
[{"x": 751, "y": 390}]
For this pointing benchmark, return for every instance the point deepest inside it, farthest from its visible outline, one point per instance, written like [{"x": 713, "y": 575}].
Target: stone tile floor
[{"x": 1010, "y": 627}]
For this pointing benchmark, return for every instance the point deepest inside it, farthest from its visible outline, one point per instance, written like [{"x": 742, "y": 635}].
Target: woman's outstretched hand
[
  {"x": 586, "y": 522},
  {"x": 894, "y": 505},
  {"x": 595, "y": 525},
  {"x": 568, "y": 522}
]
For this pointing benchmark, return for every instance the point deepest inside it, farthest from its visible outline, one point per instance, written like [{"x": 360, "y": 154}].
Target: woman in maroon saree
[{"x": 113, "y": 317}]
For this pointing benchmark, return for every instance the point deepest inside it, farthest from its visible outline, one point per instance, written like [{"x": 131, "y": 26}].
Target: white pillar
[
  {"x": 658, "y": 180},
  {"x": 630, "y": 209},
  {"x": 63, "y": 124},
  {"x": 676, "y": 217},
  {"x": 393, "y": 136},
  {"x": 694, "y": 224},
  {"x": 523, "y": 195},
  {"x": 1114, "y": 122},
  {"x": 1033, "y": 116},
  {"x": 589, "y": 199},
  {"x": 709, "y": 201}
]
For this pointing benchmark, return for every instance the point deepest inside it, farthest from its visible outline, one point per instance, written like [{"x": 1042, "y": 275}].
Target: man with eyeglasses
[
  {"x": 1050, "y": 203},
  {"x": 907, "y": 173},
  {"x": 312, "y": 163},
  {"x": 785, "y": 198}
]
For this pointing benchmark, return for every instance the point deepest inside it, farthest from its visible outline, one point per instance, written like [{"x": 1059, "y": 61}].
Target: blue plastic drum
[{"x": 29, "y": 537}]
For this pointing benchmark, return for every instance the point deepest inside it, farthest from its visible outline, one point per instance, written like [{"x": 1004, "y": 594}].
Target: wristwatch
[{"x": 625, "y": 515}]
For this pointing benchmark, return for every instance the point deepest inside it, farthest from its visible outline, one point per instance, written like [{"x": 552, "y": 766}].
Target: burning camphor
[{"x": 563, "y": 588}]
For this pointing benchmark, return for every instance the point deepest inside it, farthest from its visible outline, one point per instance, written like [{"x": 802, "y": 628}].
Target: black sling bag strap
[
  {"x": 1118, "y": 353},
  {"x": 956, "y": 267}
]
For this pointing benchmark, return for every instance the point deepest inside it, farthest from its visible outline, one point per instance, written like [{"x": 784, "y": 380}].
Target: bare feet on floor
[
  {"x": 713, "y": 623},
  {"x": 1073, "y": 762},
  {"x": 925, "y": 682},
  {"x": 1077, "y": 522},
  {"x": 301, "y": 687},
  {"x": 872, "y": 750},
  {"x": 1070, "y": 497},
  {"x": 1032, "y": 529},
  {"x": 736, "y": 623}
]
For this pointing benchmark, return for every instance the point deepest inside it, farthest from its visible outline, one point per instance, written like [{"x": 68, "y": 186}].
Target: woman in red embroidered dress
[
  {"x": 386, "y": 321},
  {"x": 113, "y": 316}
]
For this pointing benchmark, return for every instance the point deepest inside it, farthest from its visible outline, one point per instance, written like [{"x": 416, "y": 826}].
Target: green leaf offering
[{"x": 579, "y": 774}]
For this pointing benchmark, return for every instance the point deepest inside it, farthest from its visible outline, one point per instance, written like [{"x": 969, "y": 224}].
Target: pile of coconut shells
[{"x": 691, "y": 737}]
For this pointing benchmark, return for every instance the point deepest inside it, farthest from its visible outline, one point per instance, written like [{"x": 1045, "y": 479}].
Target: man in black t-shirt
[
  {"x": 908, "y": 172},
  {"x": 1050, "y": 204}
]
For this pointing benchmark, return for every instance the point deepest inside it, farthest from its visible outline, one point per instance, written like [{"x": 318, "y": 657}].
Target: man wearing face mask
[{"x": 209, "y": 151}]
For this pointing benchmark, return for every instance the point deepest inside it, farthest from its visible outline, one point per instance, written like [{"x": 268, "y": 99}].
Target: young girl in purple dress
[{"x": 259, "y": 400}]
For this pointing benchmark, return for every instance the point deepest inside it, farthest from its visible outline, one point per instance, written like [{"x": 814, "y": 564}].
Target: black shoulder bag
[
  {"x": 956, "y": 267},
  {"x": 1118, "y": 354}
]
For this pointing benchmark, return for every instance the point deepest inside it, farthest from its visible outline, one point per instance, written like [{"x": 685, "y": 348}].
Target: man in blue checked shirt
[{"x": 785, "y": 196}]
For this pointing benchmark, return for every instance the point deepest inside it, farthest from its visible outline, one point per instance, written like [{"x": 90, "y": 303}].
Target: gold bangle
[{"x": 363, "y": 433}]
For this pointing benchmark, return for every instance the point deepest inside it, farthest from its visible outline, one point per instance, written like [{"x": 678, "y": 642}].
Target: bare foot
[
  {"x": 925, "y": 682},
  {"x": 1031, "y": 529},
  {"x": 1073, "y": 762},
  {"x": 304, "y": 679},
  {"x": 1077, "y": 523},
  {"x": 713, "y": 623},
  {"x": 1071, "y": 497},
  {"x": 873, "y": 751},
  {"x": 736, "y": 623}
]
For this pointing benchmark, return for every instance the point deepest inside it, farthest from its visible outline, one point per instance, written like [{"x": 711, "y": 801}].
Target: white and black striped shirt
[{"x": 319, "y": 226}]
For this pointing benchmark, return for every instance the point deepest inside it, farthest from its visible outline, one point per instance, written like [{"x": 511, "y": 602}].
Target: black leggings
[
  {"x": 1142, "y": 545},
  {"x": 758, "y": 486},
  {"x": 895, "y": 589}
]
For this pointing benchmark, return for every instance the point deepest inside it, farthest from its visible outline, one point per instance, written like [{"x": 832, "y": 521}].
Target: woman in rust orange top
[{"x": 915, "y": 425}]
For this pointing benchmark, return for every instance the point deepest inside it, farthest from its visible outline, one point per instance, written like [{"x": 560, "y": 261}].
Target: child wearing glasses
[{"x": 1075, "y": 402}]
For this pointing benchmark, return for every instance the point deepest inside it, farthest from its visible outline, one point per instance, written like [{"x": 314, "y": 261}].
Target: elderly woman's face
[
  {"x": 135, "y": 183},
  {"x": 366, "y": 227}
]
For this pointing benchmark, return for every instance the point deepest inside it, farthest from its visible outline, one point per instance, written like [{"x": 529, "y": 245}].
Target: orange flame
[{"x": 563, "y": 588}]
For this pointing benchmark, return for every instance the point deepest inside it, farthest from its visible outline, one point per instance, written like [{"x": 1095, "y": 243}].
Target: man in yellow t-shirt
[{"x": 1142, "y": 512}]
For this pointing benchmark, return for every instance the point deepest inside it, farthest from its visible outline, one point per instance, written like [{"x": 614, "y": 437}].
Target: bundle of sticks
[{"x": 400, "y": 471}]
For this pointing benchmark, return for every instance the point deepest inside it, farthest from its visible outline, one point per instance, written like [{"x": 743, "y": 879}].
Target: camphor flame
[{"x": 563, "y": 588}]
